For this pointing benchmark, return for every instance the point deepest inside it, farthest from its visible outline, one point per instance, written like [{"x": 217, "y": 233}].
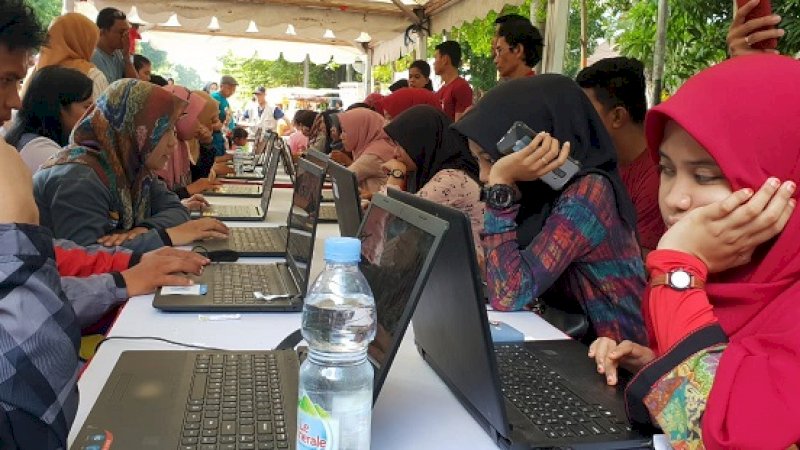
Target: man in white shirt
[{"x": 259, "y": 114}]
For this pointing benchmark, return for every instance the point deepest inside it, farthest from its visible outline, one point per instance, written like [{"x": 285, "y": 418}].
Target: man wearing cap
[
  {"x": 259, "y": 114},
  {"x": 227, "y": 87}
]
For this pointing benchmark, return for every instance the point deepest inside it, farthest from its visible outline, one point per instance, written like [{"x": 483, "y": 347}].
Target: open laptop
[
  {"x": 155, "y": 400},
  {"x": 530, "y": 394},
  {"x": 271, "y": 241},
  {"x": 261, "y": 287},
  {"x": 286, "y": 157},
  {"x": 253, "y": 213},
  {"x": 346, "y": 197},
  {"x": 252, "y": 161},
  {"x": 322, "y": 160}
]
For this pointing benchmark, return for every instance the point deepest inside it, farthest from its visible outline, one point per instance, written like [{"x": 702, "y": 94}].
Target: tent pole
[
  {"x": 422, "y": 46},
  {"x": 555, "y": 36},
  {"x": 659, "y": 54},
  {"x": 305, "y": 71}
]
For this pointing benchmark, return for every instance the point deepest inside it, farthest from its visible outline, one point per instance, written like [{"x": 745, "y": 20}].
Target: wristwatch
[
  {"x": 678, "y": 279},
  {"x": 397, "y": 173},
  {"x": 499, "y": 196}
]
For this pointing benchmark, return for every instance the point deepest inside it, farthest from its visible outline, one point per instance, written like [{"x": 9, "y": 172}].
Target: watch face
[
  {"x": 501, "y": 196},
  {"x": 680, "y": 279}
]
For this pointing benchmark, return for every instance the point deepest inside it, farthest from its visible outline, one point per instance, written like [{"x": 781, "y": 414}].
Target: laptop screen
[
  {"x": 270, "y": 169},
  {"x": 394, "y": 253},
  {"x": 302, "y": 221}
]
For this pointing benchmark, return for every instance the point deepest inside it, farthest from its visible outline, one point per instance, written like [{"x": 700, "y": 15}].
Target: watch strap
[{"x": 663, "y": 280}]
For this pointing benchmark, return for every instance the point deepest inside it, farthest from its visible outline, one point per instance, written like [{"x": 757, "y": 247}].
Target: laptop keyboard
[
  {"x": 327, "y": 212},
  {"x": 233, "y": 190},
  {"x": 234, "y": 284},
  {"x": 257, "y": 239},
  {"x": 541, "y": 394},
  {"x": 230, "y": 211},
  {"x": 235, "y": 404}
]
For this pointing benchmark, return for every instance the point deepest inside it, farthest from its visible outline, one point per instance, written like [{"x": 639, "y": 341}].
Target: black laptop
[
  {"x": 261, "y": 287},
  {"x": 346, "y": 197},
  {"x": 271, "y": 241},
  {"x": 322, "y": 160},
  {"x": 247, "y": 213},
  {"x": 252, "y": 161},
  {"x": 534, "y": 394},
  {"x": 156, "y": 400}
]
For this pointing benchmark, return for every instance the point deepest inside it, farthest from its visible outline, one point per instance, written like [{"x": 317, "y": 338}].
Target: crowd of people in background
[{"x": 671, "y": 239}]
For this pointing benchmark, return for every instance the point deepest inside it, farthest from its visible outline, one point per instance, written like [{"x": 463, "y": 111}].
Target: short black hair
[
  {"x": 510, "y": 18},
  {"x": 239, "y": 133},
  {"x": 617, "y": 82},
  {"x": 451, "y": 49},
  {"x": 522, "y": 32},
  {"x": 51, "y": 89},
  {"x": 422, "y": 66},
  {"x": 305, "y": 117},
  {"x": 140, "y": 61},
  {"x": 158, "y": 80},
  {"x": 108, "y": 16},
  {"x": 19, "y": 27},
  {"x": 399, "y": 84}
]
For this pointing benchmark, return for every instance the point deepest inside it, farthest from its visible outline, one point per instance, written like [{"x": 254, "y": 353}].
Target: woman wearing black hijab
[
  {"x": 442, "y": 169},
  {"x": 574, "y": 244}
]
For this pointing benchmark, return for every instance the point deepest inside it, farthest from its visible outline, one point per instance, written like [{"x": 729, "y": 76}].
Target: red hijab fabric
[
  {"x": 405, "y": 98},
  {"x": 746, "y": 113},
  {"x": 365, "y": 134}
]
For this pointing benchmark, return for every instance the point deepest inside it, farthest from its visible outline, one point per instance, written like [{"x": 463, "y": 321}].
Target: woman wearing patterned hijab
[{"x": 103, "y": 187}]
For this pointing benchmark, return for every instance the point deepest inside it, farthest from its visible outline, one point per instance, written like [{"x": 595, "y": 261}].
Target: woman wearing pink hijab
[
  {"x": 363, "y": 136},
  {"x": 722, "y": 312},
  {"x": 177, "y": 174}
]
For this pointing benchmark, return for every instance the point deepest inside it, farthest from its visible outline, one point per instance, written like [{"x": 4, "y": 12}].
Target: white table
[{"x": 415, "y": 409}]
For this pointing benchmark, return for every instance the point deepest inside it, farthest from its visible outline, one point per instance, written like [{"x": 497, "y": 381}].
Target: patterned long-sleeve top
[
  {"x": 454, "y": 188},
  {"x": 39, "y": 342},
  {"x": 672, "y": 391},
  {"x": 584, "y": 251}
]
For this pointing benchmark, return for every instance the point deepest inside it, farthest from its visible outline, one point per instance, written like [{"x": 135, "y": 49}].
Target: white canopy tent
[{"x": 345, "y": 30}]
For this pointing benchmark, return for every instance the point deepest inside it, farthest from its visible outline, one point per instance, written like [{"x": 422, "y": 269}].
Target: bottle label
[{"x": 314, "y": 426}]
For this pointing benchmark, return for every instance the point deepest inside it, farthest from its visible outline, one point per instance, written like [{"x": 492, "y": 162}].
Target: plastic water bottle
[{"x": 335, "y": 395}]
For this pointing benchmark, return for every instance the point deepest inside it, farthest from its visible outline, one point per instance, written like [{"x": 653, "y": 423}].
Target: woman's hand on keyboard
[
  {"x": 197, "y": 230},
  {"x": 609, "y": 356}
]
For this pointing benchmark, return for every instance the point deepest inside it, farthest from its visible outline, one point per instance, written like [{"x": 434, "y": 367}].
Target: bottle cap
[{"x": 342, "y": 250}]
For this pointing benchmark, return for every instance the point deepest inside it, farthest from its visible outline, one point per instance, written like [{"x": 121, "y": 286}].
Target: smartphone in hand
[
  {"x": 520, "y": 136},
  {"x": 764, "y": 8}
]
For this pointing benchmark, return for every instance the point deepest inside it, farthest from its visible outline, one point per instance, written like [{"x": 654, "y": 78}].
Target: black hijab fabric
[
  {"x": 557, "y": 105},
  {"x": 425, "y": 134}
]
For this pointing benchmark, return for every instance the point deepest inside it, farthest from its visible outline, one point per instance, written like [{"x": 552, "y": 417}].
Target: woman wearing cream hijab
[{"x": 71, "y": 40}]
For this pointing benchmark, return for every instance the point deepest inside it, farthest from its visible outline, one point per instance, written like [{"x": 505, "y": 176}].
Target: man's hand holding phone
[{"x": 543, "y": 155}]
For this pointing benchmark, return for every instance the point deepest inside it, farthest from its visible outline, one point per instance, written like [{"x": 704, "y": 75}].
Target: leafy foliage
[
  {"x": 253, "y": 72},
  {"x": 46, "y": 10},
  {"x": 184, "y": 76}
]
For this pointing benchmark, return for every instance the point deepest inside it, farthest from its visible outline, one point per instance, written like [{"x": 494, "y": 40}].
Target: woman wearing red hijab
[
  {"x": 403, "y": 99},
  {"x": 723, "y": 306}
]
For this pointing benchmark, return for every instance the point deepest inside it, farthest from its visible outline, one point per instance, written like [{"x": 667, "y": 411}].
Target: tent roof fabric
[{"x": 383, "y": 20}]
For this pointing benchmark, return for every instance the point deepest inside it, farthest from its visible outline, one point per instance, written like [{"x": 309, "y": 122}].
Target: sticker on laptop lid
[{"x": 195, "y": 289}]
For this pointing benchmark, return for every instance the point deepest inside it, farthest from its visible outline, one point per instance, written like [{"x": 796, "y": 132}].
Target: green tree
[
  {"x": 253, "y": 72},
  {"x": 695, "y": 33},
  {"x": 158, "y": 58},
  {"x": 187, "y": 77},
  {"x": 46, "y": 10}
]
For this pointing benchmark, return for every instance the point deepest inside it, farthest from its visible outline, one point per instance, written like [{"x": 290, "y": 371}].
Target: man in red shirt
[
  {"x": 517, "y": 47},
  {"x": 456, "y": 93},
  {"x": 616, "y": 87}
]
